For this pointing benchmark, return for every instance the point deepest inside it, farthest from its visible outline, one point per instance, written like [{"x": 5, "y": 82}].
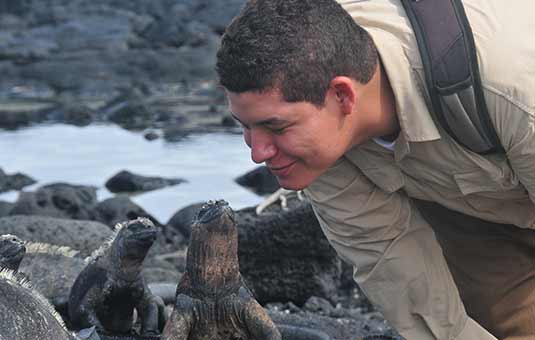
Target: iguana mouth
[
  {"x": 145, "y": 236},
  {"x": 212, "y": 210},
  {"x": 14, "y": 250}
]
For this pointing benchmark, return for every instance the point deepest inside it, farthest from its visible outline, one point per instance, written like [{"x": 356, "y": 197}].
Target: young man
[{"x": 442, "y": 239}]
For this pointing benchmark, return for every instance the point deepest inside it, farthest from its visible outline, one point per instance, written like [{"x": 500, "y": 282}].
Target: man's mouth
[{"x": 281, "y": 170}]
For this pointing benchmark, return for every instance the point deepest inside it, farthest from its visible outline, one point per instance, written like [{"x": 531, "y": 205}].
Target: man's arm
[
  {"x": 515, "y": 124},
  {"x": 397, "y": 260}
]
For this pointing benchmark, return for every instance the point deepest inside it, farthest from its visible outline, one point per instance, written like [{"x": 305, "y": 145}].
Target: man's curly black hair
[{"x": 296, "y": 46}]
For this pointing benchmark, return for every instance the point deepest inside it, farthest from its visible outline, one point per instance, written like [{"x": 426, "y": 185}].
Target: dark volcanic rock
[
  {"x": 284, "y": 255},
  {"x": 84, "y": 236},
  {"x": 71, "y": 111},
  {"x": 181, "y": 222},
  {"x": 16, "y": 119},
  {"x": 58, "y": 200},
  {"x": 14, "y": 182},
  {"x": 93, "y": 49},
  {"x": 119, "y": 208},
  {"x": 125, "y": 181},
  {"x": 260, "y": 180}
]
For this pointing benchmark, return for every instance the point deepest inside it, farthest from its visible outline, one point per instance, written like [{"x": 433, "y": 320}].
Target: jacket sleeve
[
  {"x": 515, "y": 124},
  {"x": 397, "y": 260}
]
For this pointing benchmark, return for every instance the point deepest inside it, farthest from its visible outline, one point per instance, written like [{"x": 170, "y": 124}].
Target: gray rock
[
  {"x": 260, "y": 180},
  {"x": 119, "y": 208},
  {"x": 60, "y": 200},
  {"x": 125, "y": 181},
  {"x": 15, "y": 181},
  {"x": 274, "y": 261},
  {"x": 84, "y": 236},
  {"x": 178, "y": 228}
]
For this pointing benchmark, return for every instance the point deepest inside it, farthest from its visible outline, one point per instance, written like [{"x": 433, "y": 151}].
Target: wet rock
[
  {"x": 125, "y": 181},
  {"x": 73, "y": 112},
  {"x": 151, "y": 135},
  {"x": 274, "y": 261},
  {"x": 260, "y": 180},
  {"x": 15, "y": 181},
  {"x": 179, "y": 225},
  {"x": 130, "y": 111},
  {"x": 91, "y": 50},
  {"x": 15, "y": 119},
  {"x": 60, "y": 200},
  {"x": 119, "y": 208},
  {"x": 84, "y": 236}
]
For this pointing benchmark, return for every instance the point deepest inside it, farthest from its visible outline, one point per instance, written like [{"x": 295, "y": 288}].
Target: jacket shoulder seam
[{"x": 511, "y": 99}]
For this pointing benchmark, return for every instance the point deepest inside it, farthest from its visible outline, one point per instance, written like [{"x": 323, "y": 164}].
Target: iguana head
[
  {"x": 216, "y": 216},
  {"x": 134, "y": 238},
  {"x": 12, "y": 250},
  {"x": 212, "y": 259}
]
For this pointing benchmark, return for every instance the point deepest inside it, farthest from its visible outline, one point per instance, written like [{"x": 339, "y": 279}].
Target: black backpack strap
[{"x": 449, "y": 58}]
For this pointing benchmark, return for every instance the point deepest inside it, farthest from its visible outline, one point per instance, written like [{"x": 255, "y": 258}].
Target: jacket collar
[{"x": 391, "y": 31}]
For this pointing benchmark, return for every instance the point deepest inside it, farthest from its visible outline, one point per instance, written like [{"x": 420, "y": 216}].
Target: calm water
[{"x": 91, "y": 155}]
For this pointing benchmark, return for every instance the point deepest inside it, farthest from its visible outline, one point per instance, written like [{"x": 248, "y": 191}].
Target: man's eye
[{"x": 278, "y": 130}]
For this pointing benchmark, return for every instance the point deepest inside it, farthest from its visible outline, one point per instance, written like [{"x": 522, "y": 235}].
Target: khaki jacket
[{"x": 363, "y": 201}]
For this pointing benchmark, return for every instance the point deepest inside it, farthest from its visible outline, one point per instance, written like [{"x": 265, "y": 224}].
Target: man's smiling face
[{"x": 296, "y": 141}]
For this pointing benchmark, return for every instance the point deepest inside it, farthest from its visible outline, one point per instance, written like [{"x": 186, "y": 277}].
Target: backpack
[{"x": 449, "y": 58}]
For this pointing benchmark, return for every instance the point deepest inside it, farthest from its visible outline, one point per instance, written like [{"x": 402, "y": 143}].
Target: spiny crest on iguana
[
  {"x": 110, "y": 287},
  {"x": 25, "y": 314},
  {"x": 212, "y": 301},
  {"x": 12, "y": 251},
  {"x": 51, "y": 249}
]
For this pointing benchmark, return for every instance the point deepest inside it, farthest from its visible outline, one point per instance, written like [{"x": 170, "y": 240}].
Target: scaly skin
[
  {"x": 12, "y": 251},
  {"x": 212, "y": 302},
  {"x": 110, "y": 287},
  {"x": 25, "y": 314}
]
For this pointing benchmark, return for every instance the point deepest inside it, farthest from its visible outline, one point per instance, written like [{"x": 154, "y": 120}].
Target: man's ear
[{"x": 345, "y": 93}]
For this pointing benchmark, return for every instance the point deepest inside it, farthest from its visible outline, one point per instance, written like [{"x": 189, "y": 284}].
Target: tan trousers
[{"x": 493, "y": 266}]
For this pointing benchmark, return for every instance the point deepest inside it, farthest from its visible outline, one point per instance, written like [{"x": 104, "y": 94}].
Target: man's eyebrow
[{"x": 269, "y": 121}]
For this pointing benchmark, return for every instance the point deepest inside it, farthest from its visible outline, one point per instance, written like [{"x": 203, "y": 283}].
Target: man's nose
[{"x": 262, "y": 146}]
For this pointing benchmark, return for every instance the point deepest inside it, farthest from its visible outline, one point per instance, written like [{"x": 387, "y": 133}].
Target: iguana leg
[
  {"x": 259, "y": 323},
  {"x": 88, "y": 319},
  {"x": 180, "y": 323},
  {"x": 150, "y": 310}
]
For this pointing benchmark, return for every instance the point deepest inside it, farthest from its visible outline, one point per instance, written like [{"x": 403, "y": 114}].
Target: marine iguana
[
  {"x": 109, "y": 289},
  {"x": 25, "y": 314},
  {"x": 212, "y": 300},
  {"x": 12, "y": 252}
]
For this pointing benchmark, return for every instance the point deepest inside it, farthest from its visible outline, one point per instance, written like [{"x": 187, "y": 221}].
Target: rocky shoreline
[
  {"x": 135, "y": 63},
  {"x": 303, "y": 286}
]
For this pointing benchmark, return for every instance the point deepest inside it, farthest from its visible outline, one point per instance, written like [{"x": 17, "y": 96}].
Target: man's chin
[{"x": 293, "y": 183}]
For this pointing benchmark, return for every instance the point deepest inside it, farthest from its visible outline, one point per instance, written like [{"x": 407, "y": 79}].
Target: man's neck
[{"x": 378, "y": 107}]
